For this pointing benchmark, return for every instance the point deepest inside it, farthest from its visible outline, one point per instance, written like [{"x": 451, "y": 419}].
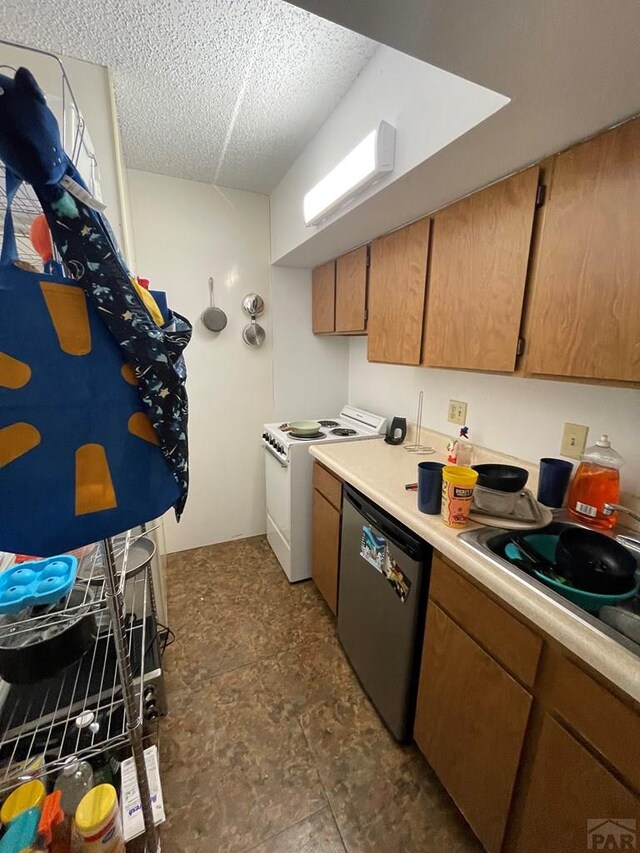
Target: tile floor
[{"x": 270, "y": 745}]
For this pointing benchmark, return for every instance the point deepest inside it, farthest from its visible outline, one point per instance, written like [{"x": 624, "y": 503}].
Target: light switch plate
[
  {"x": 574, "y": 440},
  {"x": 457, "y": 412}
]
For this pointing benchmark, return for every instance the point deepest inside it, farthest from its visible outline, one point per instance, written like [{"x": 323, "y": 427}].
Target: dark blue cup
[
  {"x": 430, "y": 487},
  {"x": 553, "y": 482}
]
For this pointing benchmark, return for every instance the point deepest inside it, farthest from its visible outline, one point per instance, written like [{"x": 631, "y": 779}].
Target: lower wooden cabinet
[
  {"x": 535, "y": 750},
  {"x": 325, "y": 548},
  {"x": 573, "y": 803},
  {"x": 470, "y": 724}
]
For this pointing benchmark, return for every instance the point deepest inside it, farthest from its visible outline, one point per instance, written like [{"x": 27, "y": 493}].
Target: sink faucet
[{"x": 609, "y": 509}]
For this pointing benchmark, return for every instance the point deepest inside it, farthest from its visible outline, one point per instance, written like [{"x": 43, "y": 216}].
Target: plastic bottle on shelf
[
  {"x": 460, "y": 450},
  {"x": 99, "y": 822},
  {"x": 595, "y": 483},
  {"x": 74, "y": 781}
]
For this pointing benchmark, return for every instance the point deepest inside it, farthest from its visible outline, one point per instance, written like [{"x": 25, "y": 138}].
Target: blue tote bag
[{"x": 79, "y": 458}]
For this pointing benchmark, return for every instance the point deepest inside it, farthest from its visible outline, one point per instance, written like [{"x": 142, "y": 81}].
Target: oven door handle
[{"x": 275, "y": 455}]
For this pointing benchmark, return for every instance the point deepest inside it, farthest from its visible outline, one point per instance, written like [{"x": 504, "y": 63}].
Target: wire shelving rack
[{"x": 111, "y": 692}]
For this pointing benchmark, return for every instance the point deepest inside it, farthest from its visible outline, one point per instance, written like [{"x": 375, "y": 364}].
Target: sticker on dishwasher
[
  {"x": 399, "y": 582},
  {"x": 373, "y": 548}
]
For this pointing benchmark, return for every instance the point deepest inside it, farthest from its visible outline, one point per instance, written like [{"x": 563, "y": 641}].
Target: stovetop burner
[
  {"x": 343, "y": 431},
  {"x": 329, "y": 423},
  {"x": 314, "y": 437}
]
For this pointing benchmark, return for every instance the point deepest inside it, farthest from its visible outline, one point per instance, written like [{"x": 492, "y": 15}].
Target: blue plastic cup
[
  {"x": 430, "y": 487},
  {"x": 553, "y": 482}
]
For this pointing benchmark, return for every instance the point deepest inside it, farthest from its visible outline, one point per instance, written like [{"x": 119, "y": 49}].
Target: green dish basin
[{"x": 545, "y": 544}]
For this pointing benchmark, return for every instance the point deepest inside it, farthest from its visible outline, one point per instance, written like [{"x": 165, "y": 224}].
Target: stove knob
[
  {"x": 280, "y": 448},
  {"x": 265, "y": 436},
  {"x": 272, "y": 442}
]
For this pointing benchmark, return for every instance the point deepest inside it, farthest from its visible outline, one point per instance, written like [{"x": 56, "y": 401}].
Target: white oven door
[{"x": 278, "y": 479}]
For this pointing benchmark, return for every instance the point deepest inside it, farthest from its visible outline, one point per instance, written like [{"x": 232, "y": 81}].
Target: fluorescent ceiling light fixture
[{"x": 361, "y": 168}]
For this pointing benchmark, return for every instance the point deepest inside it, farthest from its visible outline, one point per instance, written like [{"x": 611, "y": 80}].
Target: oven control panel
[{"x": 275, "y": 447}]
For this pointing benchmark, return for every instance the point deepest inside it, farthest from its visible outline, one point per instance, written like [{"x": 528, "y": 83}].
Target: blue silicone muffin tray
[{"x": 35, "y": 583}]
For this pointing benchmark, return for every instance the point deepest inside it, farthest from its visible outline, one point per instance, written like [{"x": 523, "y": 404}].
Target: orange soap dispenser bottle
[{"x": 595, "y": 483}]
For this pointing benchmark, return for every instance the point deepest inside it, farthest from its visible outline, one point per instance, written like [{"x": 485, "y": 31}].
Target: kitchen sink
[{"x": 490, "y": 543}]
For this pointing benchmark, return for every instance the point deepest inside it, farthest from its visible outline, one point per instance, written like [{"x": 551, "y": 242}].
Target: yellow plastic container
[
  {"x": 458, "y": 484},
  {"x": 28, "y": 796},
  {"x": 99, "y": 822}
]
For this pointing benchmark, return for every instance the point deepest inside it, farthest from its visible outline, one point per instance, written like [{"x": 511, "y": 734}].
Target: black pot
[
  {"x": 502, "y": 478},
  {"x": 594, "y": 562},
  {"x": 41, "y": 650}
]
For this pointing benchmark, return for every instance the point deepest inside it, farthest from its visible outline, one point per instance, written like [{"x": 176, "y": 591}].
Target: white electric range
[{"x": 289, "y": 467}]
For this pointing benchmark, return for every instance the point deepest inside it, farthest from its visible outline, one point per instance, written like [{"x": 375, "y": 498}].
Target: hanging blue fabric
[
  {"x": 93, "y": 408},
  {"x": 79, "y": 460},
  {"x": 31, "y": 149}
]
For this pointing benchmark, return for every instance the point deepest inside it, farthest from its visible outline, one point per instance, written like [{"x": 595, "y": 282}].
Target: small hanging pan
[{"x": 213, "y": 318}]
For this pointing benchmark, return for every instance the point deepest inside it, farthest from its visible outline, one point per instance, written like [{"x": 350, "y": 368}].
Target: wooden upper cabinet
[
  {"x": 571, "y": 798},
  {"x": 351, "y": 291},
  {"x": 585, "y": 314},
  {"x": 471, "y": 718},
  {"x": 323, "y": 297},
  {"x": 479, "y": 258},
  {"x": 397, "y": 283}
]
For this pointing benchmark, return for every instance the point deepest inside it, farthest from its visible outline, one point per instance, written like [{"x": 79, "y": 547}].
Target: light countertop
[{"x": 380, "y": 472}]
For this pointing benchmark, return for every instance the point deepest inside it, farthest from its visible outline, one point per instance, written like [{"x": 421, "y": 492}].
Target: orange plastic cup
[{"x": 458, "y": 484}]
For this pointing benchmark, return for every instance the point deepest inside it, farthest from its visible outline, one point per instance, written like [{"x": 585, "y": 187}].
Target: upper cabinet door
[
  {"x": 323, "y": 283},
  {"x": 585, "y": 311},
  {"x": 479, "y": 257},
  {"x": 397, "y": 283},
  {"x": 351, "y": 291}
]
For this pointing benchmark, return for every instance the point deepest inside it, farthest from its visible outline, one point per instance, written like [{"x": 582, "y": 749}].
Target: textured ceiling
[{"x": 227, "y": 91}]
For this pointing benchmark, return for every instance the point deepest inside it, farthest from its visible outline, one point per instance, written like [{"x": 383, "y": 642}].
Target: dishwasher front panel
[{"x": 380, "y": 632}]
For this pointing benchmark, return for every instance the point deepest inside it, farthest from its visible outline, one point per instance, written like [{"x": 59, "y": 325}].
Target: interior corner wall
[
  {"x": 92, "y": 88},
  {"x": 310, "y": 372},
  {"x": 522, "y": 417},
  {"x": 185, "y": 232}
]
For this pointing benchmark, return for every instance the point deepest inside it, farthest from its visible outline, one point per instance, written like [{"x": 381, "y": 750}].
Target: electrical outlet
[
  {"x": 574, "y": 440},
  {"x": 457, "y": 412}
]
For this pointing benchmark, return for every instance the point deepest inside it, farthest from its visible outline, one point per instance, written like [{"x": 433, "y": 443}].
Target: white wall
[
  {"x": 522, "y": 417},
  {"x": 185, "y": 232},
  {"x": 310, "y": 372},
  {"x": 427, "y": 106},
  {"x": 92, "y": 89}
]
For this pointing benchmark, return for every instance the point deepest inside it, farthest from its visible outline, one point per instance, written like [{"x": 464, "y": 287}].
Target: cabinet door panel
[
  {"x": 351, "y": 291},
  {"x": 323, "y": 283},
  {"x": 585, "y": 312},
  {"x": 511, "y": 643},
  {"x": 470, "y": 724},
  {"x": 397, "y": 283},
  {"x": 479, "y": 257},
  {"x": 567, "y": 789},
  {"x": 329, "y": 486},
  {"x": 325, "y": 549}
]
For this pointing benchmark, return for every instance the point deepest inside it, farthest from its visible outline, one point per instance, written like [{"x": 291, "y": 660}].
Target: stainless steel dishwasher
[{"x": 384, "y": 579}]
